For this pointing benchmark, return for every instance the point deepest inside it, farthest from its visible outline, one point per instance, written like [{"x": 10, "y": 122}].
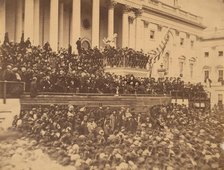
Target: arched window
[
  {"x": 191, "y": 65},
  {"x": 206, "y": 72},
  {"x": 181, "y": 64},
  {"x": 220, "y": 70},
  {"x": 166, "y": 62},
  {"x": 86, "y": 44}
]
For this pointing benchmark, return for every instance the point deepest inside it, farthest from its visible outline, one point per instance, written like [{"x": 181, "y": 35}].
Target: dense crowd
[
  {"x": 126, "y": 57},
  {"x": 166, "y": 137},
  {"x": 46, "y": 71}
]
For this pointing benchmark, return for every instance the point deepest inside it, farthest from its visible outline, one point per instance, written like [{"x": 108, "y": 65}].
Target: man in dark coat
[
  {"x": 28, "y": 42},
  {"x": 79, "y": 45},
  {"x": 33, "y": 87},
  {"x": 6, "y": 38},
  {"x": 8, "y": 75}
]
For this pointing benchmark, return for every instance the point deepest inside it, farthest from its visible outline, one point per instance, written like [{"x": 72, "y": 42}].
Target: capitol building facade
[
  {"x": 137, "y": 24},
  {"x": 141, "y": 25}
]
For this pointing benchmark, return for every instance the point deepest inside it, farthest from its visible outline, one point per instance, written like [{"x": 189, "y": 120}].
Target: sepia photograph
[{"x": 111, "y": 84}]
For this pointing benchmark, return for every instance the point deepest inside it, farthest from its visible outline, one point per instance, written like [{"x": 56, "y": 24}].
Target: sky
[{"x": 212, "y": 11}]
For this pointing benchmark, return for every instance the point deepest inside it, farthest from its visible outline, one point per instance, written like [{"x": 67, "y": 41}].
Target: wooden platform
[{"x": 138, "y": 103}]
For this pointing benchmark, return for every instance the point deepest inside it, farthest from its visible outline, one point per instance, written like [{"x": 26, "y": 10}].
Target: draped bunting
[{"x": 160, "y": 49}]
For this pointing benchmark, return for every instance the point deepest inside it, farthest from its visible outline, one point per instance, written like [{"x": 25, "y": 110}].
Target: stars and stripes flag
[{"x": 160, "y": 49}]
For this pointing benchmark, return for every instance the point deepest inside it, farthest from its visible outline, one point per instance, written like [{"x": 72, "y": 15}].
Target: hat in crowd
[
  {"x": 82, "y": 109},
  {"x": 9, "y": 67},
  {"x": 122, "y": 129},
  {"x": 101, "y": 132},
  {"x": 143, "y": 125}
]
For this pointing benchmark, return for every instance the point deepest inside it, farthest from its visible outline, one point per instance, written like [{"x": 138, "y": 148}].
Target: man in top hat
[{"x": 79, "y": 45}]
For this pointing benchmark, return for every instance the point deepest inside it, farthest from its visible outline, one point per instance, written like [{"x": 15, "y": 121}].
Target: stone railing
[{"x": 173, "y": 10}]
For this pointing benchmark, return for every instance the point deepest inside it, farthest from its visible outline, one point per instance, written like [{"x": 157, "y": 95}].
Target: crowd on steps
[
  {"x": 165, "y": 137},
  {"x": 44, "y": 70}
]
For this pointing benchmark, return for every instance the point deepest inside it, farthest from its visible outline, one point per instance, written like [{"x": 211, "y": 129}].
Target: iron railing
[{"x": 124, "y": 61}]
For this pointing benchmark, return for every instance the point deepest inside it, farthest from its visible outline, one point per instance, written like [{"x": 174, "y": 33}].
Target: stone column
[
  {"x": 36, "y": 22},
  {"x": 76, "y": 23},
  {"x": 139, "y": 31},
  {"x": 173, "y": 63},
  {"x": 125, "y": 23},
  {"x": 61, "y": 24},
  {"x": 132, "y": 31},
  {"x": 19, "y": 20},
  {"x": 54, "y": 24},
  {"x": 95, "y": 23},
  {"x": 2, "y": 20},
  {"x": 111, "y": 18},
  {"x": 29, "y": 20}
]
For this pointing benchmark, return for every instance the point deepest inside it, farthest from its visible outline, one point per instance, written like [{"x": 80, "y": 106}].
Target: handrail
[
  {"x": 18, "y": 82},
  {"x": 100, "y": 94},
  {"x": 125, "y": 61},
  {"x": 110, "y": 94}
]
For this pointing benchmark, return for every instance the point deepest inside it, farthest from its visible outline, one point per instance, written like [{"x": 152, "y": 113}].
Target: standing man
[
  {"x": 33, "y": 87},
  {"x": 79, "y": 45},
  {"x": 8, "y": 75}
]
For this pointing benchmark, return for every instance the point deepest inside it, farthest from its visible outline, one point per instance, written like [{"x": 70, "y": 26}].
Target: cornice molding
[{"x": 147, "y": 8}]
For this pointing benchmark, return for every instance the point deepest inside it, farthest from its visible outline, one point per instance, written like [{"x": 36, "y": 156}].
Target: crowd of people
[
  {"x": 165, "y": 137},
  {"x": 46, "y": 71},
  {"x": 126, "y": 57}
]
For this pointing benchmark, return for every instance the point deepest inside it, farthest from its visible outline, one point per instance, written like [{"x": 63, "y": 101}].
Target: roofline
[
  {"x": 212, "y": 38},
  {"x": 160, "y": 12}
]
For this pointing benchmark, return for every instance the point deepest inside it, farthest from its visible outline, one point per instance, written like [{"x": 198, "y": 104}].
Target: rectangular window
[
  {"x": 206, "y": 54},
  {"x": 152, "y": 34},
  {"x": 182, "y": 41},
  {"x": 220, "y": 75},
  {"x": 220, "y": 98},
  {"x": 192, "y": 43},
  {"x": 191, "y": 69},
  {"x": 206, "y": 74},
  {"x": 220, "y": 53}
]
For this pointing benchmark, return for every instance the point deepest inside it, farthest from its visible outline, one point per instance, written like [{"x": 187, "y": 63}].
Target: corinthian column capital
[
  {"x": 126, "y": 8},
  {"x": 139, "y": 12},
  {"x": 111, "y": 3},
  {"x": 131, "y": 15}
]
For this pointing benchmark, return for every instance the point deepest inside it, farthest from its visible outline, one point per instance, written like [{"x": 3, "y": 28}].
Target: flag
[
  {"x": 161, "y": 46},
  {"x": 158, "y": 50},
  {"x": 153, "y": 52},
  {"x": 150, "y": 60},
  {"x": 163, "y": 42},
  {"x": 155, "y": 58},
  {"x": 158, "y": 58}
]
